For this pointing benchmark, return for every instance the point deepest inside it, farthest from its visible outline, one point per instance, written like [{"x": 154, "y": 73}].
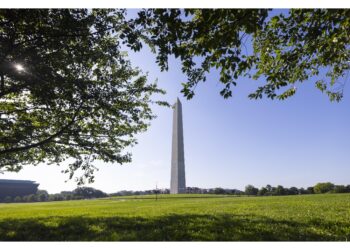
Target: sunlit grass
[{"x": 181, "y": 217}]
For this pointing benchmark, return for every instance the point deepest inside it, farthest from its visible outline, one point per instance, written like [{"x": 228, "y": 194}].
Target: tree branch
[
  {"x": 2, "y": 86},
  {"x": 47, "y": 140}
]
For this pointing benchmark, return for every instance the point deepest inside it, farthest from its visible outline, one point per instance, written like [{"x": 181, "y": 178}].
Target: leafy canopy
[
  {"x": 323, "y": 187},
  {"x": 286, "y": 49},
  {"x": 67, "y": 90}
]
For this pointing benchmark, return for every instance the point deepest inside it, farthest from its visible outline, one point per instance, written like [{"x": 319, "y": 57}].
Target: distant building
[{"x": 15, "y": 188}]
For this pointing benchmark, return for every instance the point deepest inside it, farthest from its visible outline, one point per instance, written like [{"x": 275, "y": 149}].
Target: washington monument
[{"x": 178, "y": 182}]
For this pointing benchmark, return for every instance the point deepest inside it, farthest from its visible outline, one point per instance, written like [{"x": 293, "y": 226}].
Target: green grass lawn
[{"x": 181, "y": 217}]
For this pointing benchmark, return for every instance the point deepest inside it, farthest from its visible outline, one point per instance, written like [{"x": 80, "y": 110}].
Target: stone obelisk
[{"x": 178, "y": 182}]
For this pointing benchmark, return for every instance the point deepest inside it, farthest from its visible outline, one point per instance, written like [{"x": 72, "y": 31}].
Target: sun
[{"x": 19, "y": 67}]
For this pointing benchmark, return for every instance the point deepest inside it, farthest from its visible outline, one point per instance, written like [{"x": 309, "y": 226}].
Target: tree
[
  {"x": 251, "y": 190},
  {"x": 293, "y": 191},
  {"x": 269, "y": 188},
  {"x": 310, "y": 190},
  {"x": 17, "y": 199},
  {"x": 323, "y": 187},
  {"x": 66, "y": 89},
  {"x": 286, "y": 49},
  {"x": 56, "y": 197},
  {"x": 237, "y": 192},
  {"x": 219, "y": 190},
  {"x": 25, "y": 198},
  {"x": 32, "y": 198},
  {"x": 280, "y": 190},
  {"x": 8, "y": 199},
  {"x": 88, "y": 193},
  {"x": 68, "y": 195},
  {"x": 262, "y": 191},
  {"x": 302, "y": 191},
  {"x": 340, "y": 189},
  {"x": 42, "y": 195}
]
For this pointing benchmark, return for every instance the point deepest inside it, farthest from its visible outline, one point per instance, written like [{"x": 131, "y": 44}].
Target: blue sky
[{"x": 228, "y": 143}]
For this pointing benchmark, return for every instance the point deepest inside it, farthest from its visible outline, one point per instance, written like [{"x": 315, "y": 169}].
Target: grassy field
[{"x": 181, "y": 217}]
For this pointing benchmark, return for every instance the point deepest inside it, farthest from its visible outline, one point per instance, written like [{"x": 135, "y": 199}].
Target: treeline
[
  {"x": 144, "y": 192},
  {"x": 42, "y": 195},
  {"x": 319, "y": 188},
  {"x": 189, "y": 190},
  {"x": 91, "y": 193}
]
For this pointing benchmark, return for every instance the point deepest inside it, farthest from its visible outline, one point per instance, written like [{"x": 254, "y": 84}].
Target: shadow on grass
[{"x": 223, "y": 227}]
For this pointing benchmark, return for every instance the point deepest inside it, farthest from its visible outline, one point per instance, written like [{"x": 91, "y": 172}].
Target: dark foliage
[
  {"x": 88, "y": 193},
  {"x": 67, "y": 90}
]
